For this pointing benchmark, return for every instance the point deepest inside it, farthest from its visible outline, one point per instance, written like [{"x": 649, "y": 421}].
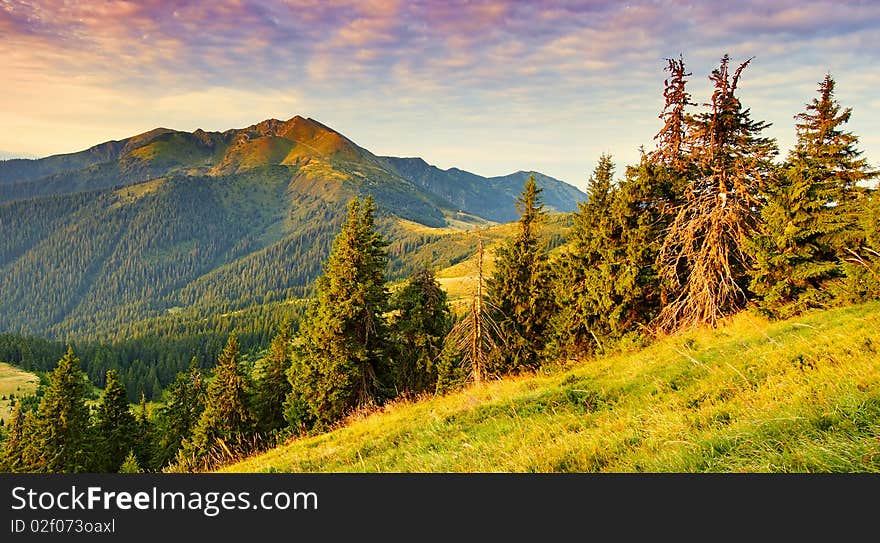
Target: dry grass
[{"x": 14, "y": 381}]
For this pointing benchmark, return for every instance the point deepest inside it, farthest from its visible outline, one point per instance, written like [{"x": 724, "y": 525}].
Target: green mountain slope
[
  {"x": 801, "y": 395},
  {"x": 324, "y": 163},
  {"x": 488, "y": 197},
  {"x": 204, "y": 221},
  {"x": 20, "y": 170},
  {"x": 74, "y": 264}
]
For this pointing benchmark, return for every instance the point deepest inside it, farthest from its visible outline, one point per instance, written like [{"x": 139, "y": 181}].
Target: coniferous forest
[{"x": 714, "y": 220}]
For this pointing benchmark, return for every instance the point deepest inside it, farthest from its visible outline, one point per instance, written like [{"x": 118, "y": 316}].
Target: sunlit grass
[
  {"x": 801, "y": 395},
  {"x": 14, "y": 381}
]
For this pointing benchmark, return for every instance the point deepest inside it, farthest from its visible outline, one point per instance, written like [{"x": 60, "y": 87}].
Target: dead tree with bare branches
[
  {"x": 672, "y": 139},
  {"x": 703, "y": 258},
  {"x": 473, "y": 338}
]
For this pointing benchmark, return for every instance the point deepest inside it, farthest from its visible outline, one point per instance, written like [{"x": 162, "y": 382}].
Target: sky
[{"x": 486, "y": 86}]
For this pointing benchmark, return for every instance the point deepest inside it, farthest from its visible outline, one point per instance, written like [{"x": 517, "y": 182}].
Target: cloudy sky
[{"x": 491, "y": 87}]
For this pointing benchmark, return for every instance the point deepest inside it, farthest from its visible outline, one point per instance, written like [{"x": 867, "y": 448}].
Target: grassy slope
[
  {"x": 459, "y": 280},
  {"x": 753, "y": 396},
  {"x": 14, "y": 381}
]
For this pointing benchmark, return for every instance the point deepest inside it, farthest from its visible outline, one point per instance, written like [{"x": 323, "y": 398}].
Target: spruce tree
[
  {"x": 14, "y": 443},
  {"x": 226, "y": 425},
  {"x": 30, "y": 455},
  {"x": 861, "y": 280},
  {"x": 629, "y": 272},
  {"x": 811, "y": 219},
  {"x": 115, "y": 425},
  {"x": 272, "y": 385},
  {"x": 451, "y": 373},
  {"x": 518, "y": 290},
  {"x": 62, "y": 433},
  {"x": 833, "y": 160},
  {"x": 145, "y": 435},
  {"x": 704, "y": 259},
  {"x": 418, "y": 328},
  {"x": 130, "y": 464},
  {"x": 340, "y": 361},
  {"x": 175, "y": 421},
  {"x": 578, "y": 290}
]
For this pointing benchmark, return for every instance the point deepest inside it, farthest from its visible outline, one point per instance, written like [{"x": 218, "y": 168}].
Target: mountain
[
  {"x": 321, "y": 161},
  {"x": 208, "y": 222},
  {"x": 490, "y": 197}
]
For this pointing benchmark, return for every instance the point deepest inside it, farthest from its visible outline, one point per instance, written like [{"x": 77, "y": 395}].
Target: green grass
[
  {"x": 801, "y": 395},
  {"x": 14, "y": 381}
]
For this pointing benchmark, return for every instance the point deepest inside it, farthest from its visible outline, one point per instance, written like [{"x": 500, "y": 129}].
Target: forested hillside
[
  {"x": 206, "y": 222},
  {"x": 702, "y": 249}
]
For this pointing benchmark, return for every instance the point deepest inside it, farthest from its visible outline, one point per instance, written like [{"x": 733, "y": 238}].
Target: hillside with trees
[{"x": 714, "y": 309}]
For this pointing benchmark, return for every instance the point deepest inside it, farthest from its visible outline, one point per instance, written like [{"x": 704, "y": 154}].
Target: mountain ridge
[
  {"x": 216, "y": 221},
  {"x": 316, "y": 150}
]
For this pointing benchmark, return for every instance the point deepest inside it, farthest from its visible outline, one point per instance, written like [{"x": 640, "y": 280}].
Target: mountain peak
[{"x": 297, "y": 127}]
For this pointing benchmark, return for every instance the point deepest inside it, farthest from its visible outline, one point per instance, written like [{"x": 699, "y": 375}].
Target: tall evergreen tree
[
  {"x": 30, "y": 454},
  {"x": 832, "y": 157},
  {"x": 130, "y": 464},
  {"x": 115, "y": 425},
  {"x": 641, "y": 211},
  {"x": 175, "y": 421},
  {"x": 14, "y": 443},
  {"x": 340, "y": 361},
  {"x": 811, "y": 220},
  {"x": 62, "y": 435},
  {"x": 704, "y": 257},
  {"x": 518, "y": 290},
  {"x": 144, "y": 435},
  {"x": 580, "y": 297},
  {"x": 272, "y": 385},
  {"x": 226, "y": 425},
  {"x": 419, "y": 326},
  {"x": 861, "y": 280}
]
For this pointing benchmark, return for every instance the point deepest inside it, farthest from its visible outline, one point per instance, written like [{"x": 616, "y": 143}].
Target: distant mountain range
[
  {"x": 140, "y": 227},
  {"x": 320, "y": 160}
]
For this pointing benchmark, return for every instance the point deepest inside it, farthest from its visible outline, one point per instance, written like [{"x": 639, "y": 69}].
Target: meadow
[{"x": 800, "y": 395}]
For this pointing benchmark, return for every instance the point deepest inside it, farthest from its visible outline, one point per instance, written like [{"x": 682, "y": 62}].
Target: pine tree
[
  {"x": 14, "y": 443},
  {"x": 861, "y": 268},
  {"x": 340, "y": 361},
  {"x": 115, "y": 425},
  {"x": 30, "y": 455},
  {"x": 641, "y": 209},
  {"x": 811, "y": 220},
  {"x": 62, "y": 435},
  {"x": 418, "y": 328},
  {"x": 518, "y": 289},
  {"x": 451, "y": 372},
  {"x": 272, "y": 385},
  {"x": 130, "y": 464},
  {"x": 183, "y": 406},
  {"x": 226, "y": 425},
  {"x": 145, "y": 435},
  {"x": 704, "y": 257},
  {"x": 836, "y": 165},
  {"x": 580, "y": 295},
  {"x": 871, "y": 221}
]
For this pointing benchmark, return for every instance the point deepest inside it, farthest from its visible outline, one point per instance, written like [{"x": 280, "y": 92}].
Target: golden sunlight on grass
[{"x": 801, "y": 395}]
